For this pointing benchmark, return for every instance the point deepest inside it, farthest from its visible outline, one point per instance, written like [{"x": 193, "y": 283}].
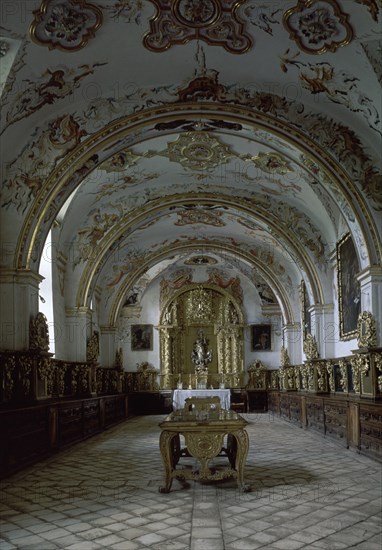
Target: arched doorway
[{"x": 218, "y": 315}]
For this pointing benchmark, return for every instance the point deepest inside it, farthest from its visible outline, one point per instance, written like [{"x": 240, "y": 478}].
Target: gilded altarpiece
[{"x": 218, "y": 315}]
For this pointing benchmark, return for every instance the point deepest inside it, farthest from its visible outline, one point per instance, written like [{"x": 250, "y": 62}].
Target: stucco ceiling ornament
[
  {"x": 214, "y": 21},
  {"x": 4, "y": 48},
  {"x": 198, "y": 151},
  {"x": 65, "y": 24},
  {"x": 318, "y": 26},
  {"x": 121, "y": 161},
  {"x": 272, "y": 163}
]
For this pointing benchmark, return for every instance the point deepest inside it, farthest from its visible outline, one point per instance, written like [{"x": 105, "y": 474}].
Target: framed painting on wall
[
  {"x": 141, "y": 337},
  {"x": 261, "y": 337},
  {"x": 349, "y": 294}
]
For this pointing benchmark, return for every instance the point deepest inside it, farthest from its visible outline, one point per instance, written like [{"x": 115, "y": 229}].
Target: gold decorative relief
[
  {"x": 198, "y": 151},
  {"x": 367, "y": 333},
  {"x": 344, "y": 375},
  {"x": 284, "y": 357},
  {"x": 39, "y": 333},
  {"x": 65, "y": 24},
  {"x": 272, "y": 163},
  {"x": 318, "y": 26},
  {"x": 92, "y": 348},
  {"x": 214, "y": 21},
  {"x": 310, "y": 347},
  {"x": 199, "y": 305}
]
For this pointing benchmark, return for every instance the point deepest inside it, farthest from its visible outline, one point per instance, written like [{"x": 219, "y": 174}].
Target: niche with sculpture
[{"x": 201, "y": 339}]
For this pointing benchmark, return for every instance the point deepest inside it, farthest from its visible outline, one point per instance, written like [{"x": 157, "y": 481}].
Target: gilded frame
[{"x": 349, "y": 295}]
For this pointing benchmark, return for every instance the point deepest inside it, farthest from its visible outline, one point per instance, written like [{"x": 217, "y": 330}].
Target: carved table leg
[
  {"x": 241, "y": 437},
  {"x": 167, "y": 452}
]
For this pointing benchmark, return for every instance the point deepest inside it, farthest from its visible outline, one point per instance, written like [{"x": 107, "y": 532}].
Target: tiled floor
[{"x": 307, "y": 493}]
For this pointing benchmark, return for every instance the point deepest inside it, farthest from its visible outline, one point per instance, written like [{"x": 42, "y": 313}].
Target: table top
[
  {"x": 179, "y": 396},
  {"x": 223, "y": 419}
]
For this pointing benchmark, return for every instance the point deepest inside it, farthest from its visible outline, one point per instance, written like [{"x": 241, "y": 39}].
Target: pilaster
[{"x": 19, "y": 298}]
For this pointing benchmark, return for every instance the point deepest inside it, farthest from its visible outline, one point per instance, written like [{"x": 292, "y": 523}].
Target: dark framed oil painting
[
  {"x": 141, "y": 337},
  {"x": 349, "y": 294},
  {"x": 261, "y": 337}
]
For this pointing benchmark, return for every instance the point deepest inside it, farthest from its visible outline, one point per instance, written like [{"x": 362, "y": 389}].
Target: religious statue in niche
[{"x": 200, "y": 354}]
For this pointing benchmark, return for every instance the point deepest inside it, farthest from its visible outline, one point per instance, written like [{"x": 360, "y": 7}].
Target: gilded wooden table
[{"x": 206, "y": 436}]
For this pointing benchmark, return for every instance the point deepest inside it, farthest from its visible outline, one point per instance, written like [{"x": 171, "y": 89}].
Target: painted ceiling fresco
[{"x": 159, "y": 136}]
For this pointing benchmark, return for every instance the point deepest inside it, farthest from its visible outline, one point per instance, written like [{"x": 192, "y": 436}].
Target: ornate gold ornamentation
[
  {"x": 256, "y": 373},
  {"x": 146, "y": 377},
  {"x": 274, "y": 380},
  {"x": 367, "y": 333},
  {"x": 92, "y": 348},
  {"x": 318, "y": 26},
  {"x": 360, "y": 366},
  {"x": 344, "y": 382},
  {"x": 199, "y": 214},
  {"x": 310, "y": 347},
  {"x": 330, "y": 371},
  {"x": 214, "y": 21},
  {"x": 284, "y": 357},
  {"x": 65, "y": 24},
  {"x": 201, "y": 355},
  {"x": 198, "y": 151},
  {"x": 9, "y": 369},
  {"x": 45, "y": 372},
  {"x": 119, "y": 358},
  {"x": 272, "y": 163},
  {"x": 39, "y": 333},
  {"x": 199, "y": 305},
  {"x": 201, "y": 260},
  {"x": 322, "y": 375},
  {"x": 25, "y": 371},
  {"x": 378, "y": 366},
  {"x": 307, "y": 372}
]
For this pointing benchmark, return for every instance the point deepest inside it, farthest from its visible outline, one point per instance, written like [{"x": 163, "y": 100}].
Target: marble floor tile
[{"x": 307, "y": 492}]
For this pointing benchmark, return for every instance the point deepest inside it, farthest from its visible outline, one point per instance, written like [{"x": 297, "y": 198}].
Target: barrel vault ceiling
[{"x": 167, "y": 139}]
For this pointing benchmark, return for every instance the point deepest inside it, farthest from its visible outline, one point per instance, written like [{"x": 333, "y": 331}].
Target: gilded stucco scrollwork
[
  {"x": 25, "y": 373},
  {"x": 310, "y": 347},
  {"x": 360, "y": 365},
  {"x": 284, "y": 357},
  {"x": 378, "y": 366},
  {"x": 39, "y": 333},
  {"x": 92, "y": 348},
  {"x": 9, "y": 383},
  {"x": 256, "y": 374},
  {"x": 367, "y": 334},
  {"x": 330, "y": 371},
  {"x": 344, "y": 378},
  {"x": 322, "y": 376},
  {"x": 45, "y": 372}
]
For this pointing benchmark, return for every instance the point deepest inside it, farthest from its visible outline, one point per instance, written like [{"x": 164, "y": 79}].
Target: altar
[{"x": 179, "y": 397}]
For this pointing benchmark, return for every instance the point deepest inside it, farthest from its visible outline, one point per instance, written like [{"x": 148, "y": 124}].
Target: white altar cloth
[{"x": 179, "y": 397}]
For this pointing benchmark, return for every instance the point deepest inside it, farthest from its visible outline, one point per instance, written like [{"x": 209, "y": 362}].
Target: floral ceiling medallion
[
  {"x": 318, "y": 26},
  {"x": 65, "y": 24},
  {"x": 214, "y": 21},
  {"x": 198, "y": 151},
  {"x": 272, "y": 163}
]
